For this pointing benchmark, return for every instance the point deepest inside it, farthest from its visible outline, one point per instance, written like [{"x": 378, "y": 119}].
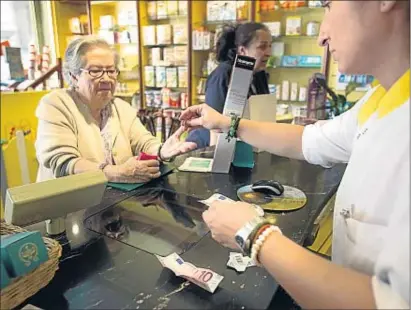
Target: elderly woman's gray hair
[{"x": 75, "y": 52}]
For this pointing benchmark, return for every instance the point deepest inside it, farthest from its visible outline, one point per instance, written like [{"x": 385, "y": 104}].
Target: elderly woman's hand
[
  {"x": 174, "y": 146},
  {"x": 225, "y": 218},
  {"x": 137, "y": 171}
]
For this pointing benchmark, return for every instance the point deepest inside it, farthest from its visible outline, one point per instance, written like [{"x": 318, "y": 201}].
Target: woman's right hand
[
  {"x": 204, "y": 116},
  {"x": 137, "y": 171}
]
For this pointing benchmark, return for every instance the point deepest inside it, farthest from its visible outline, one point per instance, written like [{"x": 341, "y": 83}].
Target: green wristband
[{"x": 232, "y": 132}]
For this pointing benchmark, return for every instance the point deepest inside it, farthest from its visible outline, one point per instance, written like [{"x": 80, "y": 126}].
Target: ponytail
[
  {"x": 226, "y": 43},
  {"x": 233, "y": 36}
]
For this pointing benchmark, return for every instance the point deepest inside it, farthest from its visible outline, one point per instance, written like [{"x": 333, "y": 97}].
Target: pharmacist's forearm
[
  {"x": 280, "y": 139},
  {"x": 84, "y": 165},
  {"x": 312, "y": 281}
]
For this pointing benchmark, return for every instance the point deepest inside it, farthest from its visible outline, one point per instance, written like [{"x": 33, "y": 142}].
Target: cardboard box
[
  {"x": 172, "y": 7},
  {"x": 285, "y": 91},
  {"x": 278, "y": 92},
  {"x": 107, "y": 35},
  {"x": 275, "y": 28},
  {"x": 207, "y": 40},
  {"x": 164, "y": 34},
  {"x": 152, "y": 10},
  {"x": 149, "y": 35},
  {"x": 22, "y": 252},
  {"x": 180, "y": 35},
  {"x": 106, "y": 22},
  {"x": 289, "y": 61},
  {"x": 182, "y": 77},
  {"x": 180, "y": 55},
  {"x": 149, "y": 76},
  {"x": 156, "y": 57},
  {"x": 168, "y": 56},
  {"x": 160, "y": 76},
  {"x": 294, "y": 92},
  {"x": 303, "y": 94},
  {"x": 75, "y": 25},
  {"x": 182, "y": 8},
  {"x": 162, "y": 11},
  {"x": 171, "y": 77},
  {"x": 293, "y": 26}
]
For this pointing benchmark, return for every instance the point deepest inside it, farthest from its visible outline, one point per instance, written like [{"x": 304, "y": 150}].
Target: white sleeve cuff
[
  {"x": 309, "y": 146},
  {"x": 385, "y": 297}
]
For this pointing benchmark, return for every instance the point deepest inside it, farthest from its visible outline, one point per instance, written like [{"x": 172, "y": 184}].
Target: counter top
[{"x": 107, "y": 274}]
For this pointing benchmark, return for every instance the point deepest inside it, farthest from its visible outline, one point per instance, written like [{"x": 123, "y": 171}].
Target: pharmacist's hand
[
  {"x": 204, "y": 116},
  {"x": 137, "y": 171},
  {"x": 174, "y": 146},
  {"x": 223, "y": 225}
]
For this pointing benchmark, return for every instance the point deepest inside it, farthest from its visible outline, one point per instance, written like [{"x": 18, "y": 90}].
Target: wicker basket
[{"x": 23, "y": 287}]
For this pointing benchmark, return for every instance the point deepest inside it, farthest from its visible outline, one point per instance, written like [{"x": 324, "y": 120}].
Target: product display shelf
[
  {"x": 297, "y": 10},
  {"x": 165, "y": 51},
  {"x": 202, "y": 58},
  {"x": 298, "y": 37},
  {"x": 117, "y": 22},
  {"x": 303, "y": 44},
  {"x": 62, "y": 13}
]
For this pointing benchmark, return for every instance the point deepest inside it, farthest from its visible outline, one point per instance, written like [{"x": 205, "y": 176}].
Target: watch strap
[{"x": 254, "y": 233}]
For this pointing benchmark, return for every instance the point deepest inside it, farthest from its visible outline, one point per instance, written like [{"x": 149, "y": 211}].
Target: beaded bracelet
[
  {"x": 232, "y": 132},
  {"x": 256, "y": 247},
  {"x": 260, "y": 230},
  {"x": 161, "y": 158}
]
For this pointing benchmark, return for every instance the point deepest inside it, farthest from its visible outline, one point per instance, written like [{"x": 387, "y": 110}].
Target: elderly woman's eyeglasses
[{"x": 98, "y": 73}]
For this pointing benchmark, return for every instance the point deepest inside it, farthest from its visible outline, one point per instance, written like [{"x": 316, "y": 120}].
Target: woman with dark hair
[{"x": 248, "y": 39}]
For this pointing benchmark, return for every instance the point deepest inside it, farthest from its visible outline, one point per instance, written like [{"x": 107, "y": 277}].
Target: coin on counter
[{"x": 292, "y": 199}]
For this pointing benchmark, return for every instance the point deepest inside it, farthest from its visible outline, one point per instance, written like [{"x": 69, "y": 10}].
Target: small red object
[{"x": 144, "y": 156}]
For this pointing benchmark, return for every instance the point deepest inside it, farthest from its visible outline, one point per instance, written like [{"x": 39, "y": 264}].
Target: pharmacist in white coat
[{"x": 370, "y": 265}]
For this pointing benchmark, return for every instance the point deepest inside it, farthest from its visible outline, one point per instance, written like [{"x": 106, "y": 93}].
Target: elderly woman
[{"x": 86, "y": 128}]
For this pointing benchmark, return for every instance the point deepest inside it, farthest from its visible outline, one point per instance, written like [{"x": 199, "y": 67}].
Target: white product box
[
  {"x": 149, "y": 76},
  {"x": 164, "y": 34},
  {"x": 293, "y": 26},
  {"x": 171, "y": 76},
  {"x": 294, "y": 92},
  {"x": 278, "y": 91},
  {"x": 161, "y": 77},
  {"x": 303, "y": 94},
  {"x": 149, "y": 35},
  {"x": 107, "y": 35},
  {"x": 168, "y": 56},
  {"x": 275, "y": 28},
  {"x": 285, "y": 91},
  {"x": 172, "y": 7},
  {"x": 207, "y": 40},
  {"x": 161, "y": 9},
  {"x": 182, "y": 77},
  {"x": 156, "y": 58},
  {"x": 180, "y": 35},
  {"x": 106, "y": 22}
]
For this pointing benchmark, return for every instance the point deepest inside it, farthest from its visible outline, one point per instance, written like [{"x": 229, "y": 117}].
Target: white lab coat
[{"x": 372, "y": 209}]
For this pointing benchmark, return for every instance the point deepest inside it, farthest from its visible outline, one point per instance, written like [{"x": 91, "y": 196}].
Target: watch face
[{"x": 240, "y": 241}]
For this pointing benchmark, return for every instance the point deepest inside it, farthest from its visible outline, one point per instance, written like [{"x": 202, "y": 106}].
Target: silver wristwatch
[{"x": 243, "y": 235}]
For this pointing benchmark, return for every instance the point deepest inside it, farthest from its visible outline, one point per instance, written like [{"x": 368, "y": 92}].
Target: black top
[
  {"x": 216, "y": 92},
  {"x": 219, "y": 80},
  {"x": 112, "y": 275}
]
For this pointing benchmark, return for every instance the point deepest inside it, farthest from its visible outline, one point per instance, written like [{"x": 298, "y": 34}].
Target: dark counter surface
[{"x": 107, "y": 274}]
